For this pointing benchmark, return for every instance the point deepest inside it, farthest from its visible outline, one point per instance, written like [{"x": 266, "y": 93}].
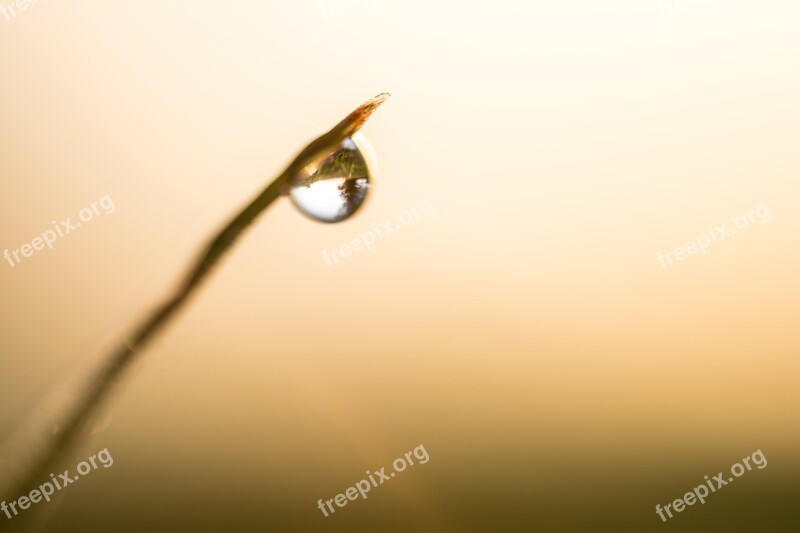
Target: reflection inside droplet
[{"x": 337, "y": 188}]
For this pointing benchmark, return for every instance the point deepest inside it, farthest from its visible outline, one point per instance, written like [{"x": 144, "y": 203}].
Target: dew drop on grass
[{"x": 337, "y": 187}]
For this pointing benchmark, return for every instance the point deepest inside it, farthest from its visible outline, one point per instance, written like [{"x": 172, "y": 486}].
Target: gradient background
[{"x": 526, "y": 335}]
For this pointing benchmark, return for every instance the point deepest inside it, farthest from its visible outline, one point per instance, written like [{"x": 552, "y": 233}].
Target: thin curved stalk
[{"x": 122, "y": 358}]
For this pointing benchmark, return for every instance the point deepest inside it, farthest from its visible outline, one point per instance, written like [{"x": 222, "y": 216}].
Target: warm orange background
[{"x": 526, "y": 334}]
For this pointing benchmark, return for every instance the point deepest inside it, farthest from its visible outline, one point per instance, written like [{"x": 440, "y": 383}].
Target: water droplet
[{"x": 335, "y": 189}]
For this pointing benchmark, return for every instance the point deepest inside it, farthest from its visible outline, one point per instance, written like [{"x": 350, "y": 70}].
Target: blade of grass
[{"x": 130, "y": 349}]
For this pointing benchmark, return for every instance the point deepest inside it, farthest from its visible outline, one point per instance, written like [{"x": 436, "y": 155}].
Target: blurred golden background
[{"x": 526, "y": 333}]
